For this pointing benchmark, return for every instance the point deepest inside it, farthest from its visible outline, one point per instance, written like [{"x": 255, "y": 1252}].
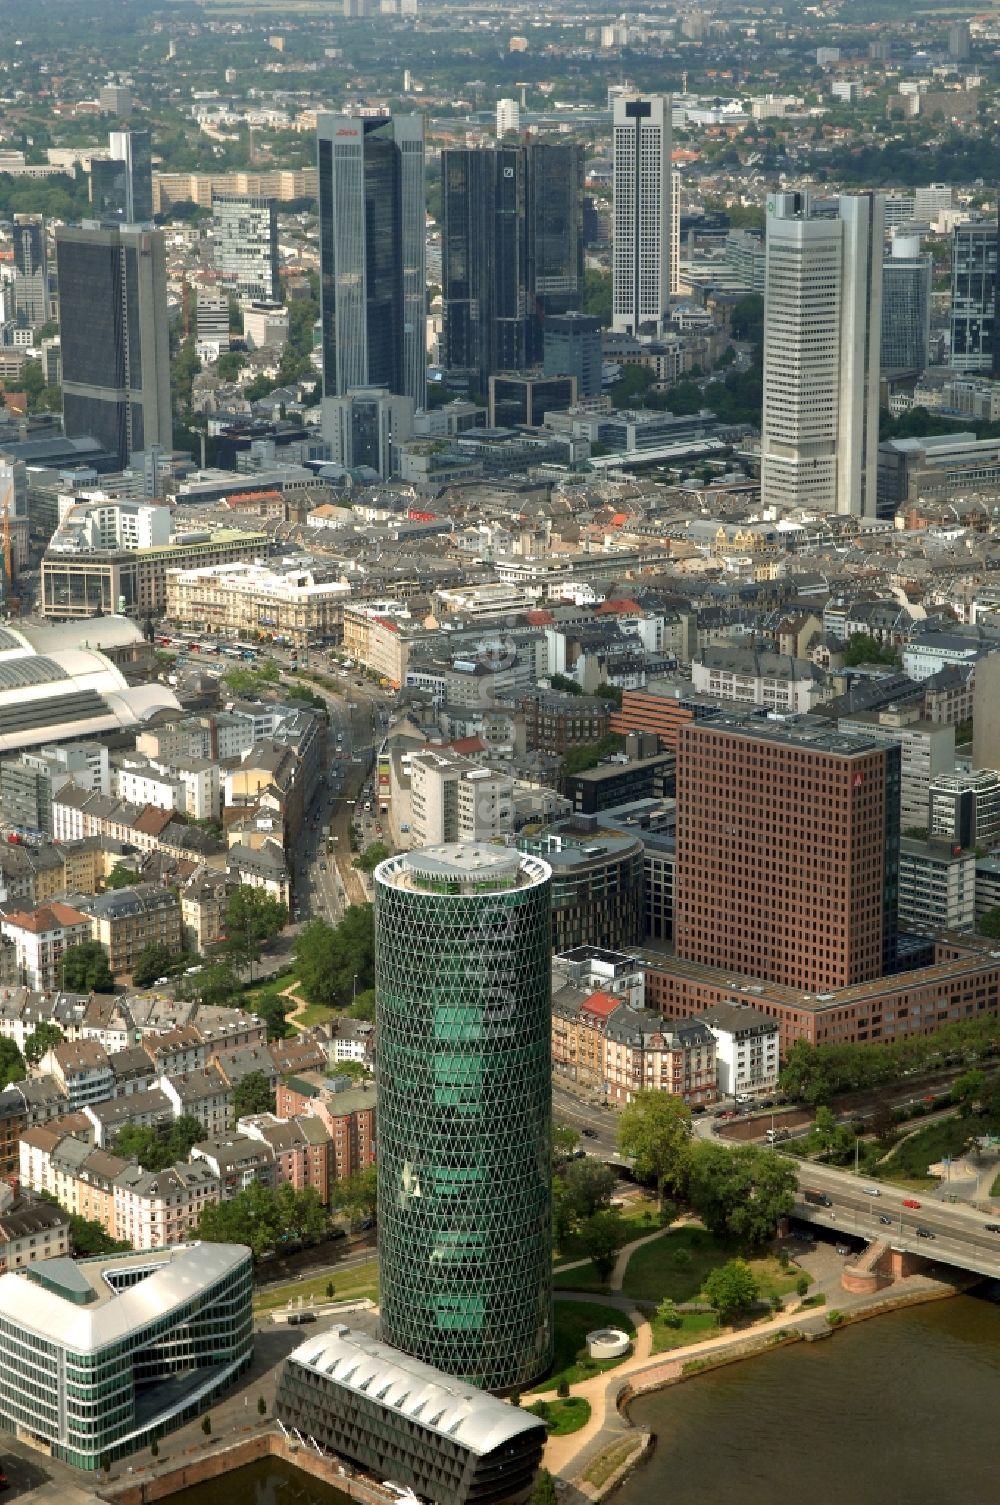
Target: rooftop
[{"x": 462, "y": 867}]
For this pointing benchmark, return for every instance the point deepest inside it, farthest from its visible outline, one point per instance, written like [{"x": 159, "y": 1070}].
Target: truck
[{"x": 820, "y": 1198}]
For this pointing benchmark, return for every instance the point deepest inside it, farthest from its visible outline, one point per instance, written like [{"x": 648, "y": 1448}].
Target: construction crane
[{"x": 11, "y": 603}]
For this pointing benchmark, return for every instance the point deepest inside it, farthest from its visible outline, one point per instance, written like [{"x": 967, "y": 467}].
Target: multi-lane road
[{"x": 866, "y": 1209}]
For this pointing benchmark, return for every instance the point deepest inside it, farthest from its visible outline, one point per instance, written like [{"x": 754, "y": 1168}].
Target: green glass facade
[{"x": 463, "y": 989}]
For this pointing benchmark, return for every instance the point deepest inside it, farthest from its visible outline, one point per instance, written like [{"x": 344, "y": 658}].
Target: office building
[
  {"x": 572, "y": 347},
  {"x": 822, "y": 326},
  {"x": 247, "y": 597},
  {"x": 517, "y": 398},
  {"x": 787, "y": 852},
  {"x": 365, "y": 426},
  {"x": 906, "y": 308},
  {"x": 372, "y": 256},
  {"x": 974, "y": 298},
  {"x": 986, "y": 713},
  {"x": 746, "y": 256},
  {"x": 102, "y": 1355},
  {"x": 643, "y": 220},
  {"x": 597, "y": 883},
  {"x": 959, "y": 41},
  {"x": 964, "y": 807},
  {"x": 390, "y": 1414},
  {"x": 927, "y": 751},
  {"x": 937, "y": 886},
  {"x": 116, "y": 99},
  {"x": 121, "y": 184},
  {"x": 453, "y": 799},
  {"x": 245, "y": 246},
  {"x": 115, "y": 337},
  {"x": 463, "y": 1000},
  {"x": 212, "y": 319},
  {"x": 512, "y": 251},
  {"x": 31, "y": 279}
]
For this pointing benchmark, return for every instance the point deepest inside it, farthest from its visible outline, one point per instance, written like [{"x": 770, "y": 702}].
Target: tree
[
  {"x": 363, "y": 1006},
  {"x": 154, "y": 1152},
  {"x": 601, "y": 1237},
  {"x": 42, "y": 1038},
  {"x": 12, "y": 1067},
  {"x": 589, "y": 1185},
  {"x": 261, "y": 1406},
  {"x": 253, "y": 1094},
  {"x": 356, "y": 1195},
  {"x": 731, "y": 1288},
  {"x": 206, "y": 1425},
  {"x": 120, "y": 876},
  {"x": 564, "y": 1141},
  {"x": 328, "y": 959},
  {"x": 156, "y": 960},
  {"x": 655, "y": 1135},
  {"x": 667, "y": 1313},
  {"x": 966, "y": 1090},
  {"x": 825, "y": 1129},
  {"x": 373, "y": 854},
  {"x": 215, "y": 985},
  {"x": 740, "y": 1192},
  {"x": 85, "y": 969},
  {"x": 89, "y": 1237},
  {"x": 988, "y": 924},
  {"x": 253, "y": 917},
  {"x": 544, "y": 1491},
  {"x": 802, "y": 1284}
]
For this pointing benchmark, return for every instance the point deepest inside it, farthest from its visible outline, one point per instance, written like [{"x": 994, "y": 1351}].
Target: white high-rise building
[
  {"x": 675, "y": 234},
  {"x": 643, "y": 226},
  {"x": 508, "y": 117},
  {"x": 822, "y": 327}
]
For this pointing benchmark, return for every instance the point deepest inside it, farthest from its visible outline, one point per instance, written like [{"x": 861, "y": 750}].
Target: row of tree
[
  {"x": 815, "y": 1073},
  {"x": 265, "y": 1219}
]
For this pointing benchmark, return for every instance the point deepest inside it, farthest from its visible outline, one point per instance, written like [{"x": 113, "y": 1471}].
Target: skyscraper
[
  {"x": 822, "y": 327},
  {"x": 974, "y": 336},
  {"x": 31, "y": 277},
  {"x": 573, "y": 348},
  {"x": 245, "y": 246},
  {"x": 787, "y": 851},
  {"x": 511, "y": 251},
  {"x": 643, "y": 220},
  {"x": 463, "y": 1000},
  {"x": 372, "y": 234},
  {"x": 121, "y": 185},
  {"x": 906, "y": 307},
  {"x": 115, "y": 337}
]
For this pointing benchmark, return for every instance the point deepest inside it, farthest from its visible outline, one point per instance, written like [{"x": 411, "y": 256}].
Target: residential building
[
  {"x": 512, "y": 251},
  {"x": 121, "y": 184},
  {"x": 643, "y": 1054},
  {"x": 974, "y": 292},
  {"x": 964, "y": 808},
  {"x": 555, "y": 720},
  {"x": 388, "y": 1412},
  {"x": 41, "y": 938},
  {"x": 465, "y": 1110},
  {"x": 115, "y": 338},
  {"x": 641, "y": 159},
  {"x": 245, "y": 246},
  {"x": 301, "y": 1149},
  {"x": 83, "y": 1071},
  {"x": 906, "y": 308},
  {"x": 158, "y": 1209},
  {"x": 204, "y": 899},
  {"x": 746, "y": 1048},
  {"x": 452, "y": 799},
  {"x": 237, "y": 1162},
  {"x": 754, "y": 676},
  {"x": 508, "y": 118},
  {"x": 822, "y": 326},
  {"x": 202, "y": 1093},
  {"x": 372, "y": 272},
  {"x": 86, "y": 1339},
  {"x": 347, "y": 1115},
  {"x": 787, "y": 852},
  {"x": 127, "y": 920},
  {"x": 937, "y": 886},
  {"x": 30, "y": 1230}
]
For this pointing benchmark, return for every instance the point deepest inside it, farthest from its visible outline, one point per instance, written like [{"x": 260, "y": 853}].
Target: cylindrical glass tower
[{"x": 463, "y": 1065}]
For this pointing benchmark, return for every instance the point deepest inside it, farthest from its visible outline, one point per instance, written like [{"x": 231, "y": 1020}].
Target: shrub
[
  {"x": 802, "y": 1285},
  {"x": 206, "y": 1425},
  {"x": 261, "y": 1406},
  {"x": 562, "y": 1389},
  {"x": 777, "y": 1305},
  {"x": 835, "y": 1318}
]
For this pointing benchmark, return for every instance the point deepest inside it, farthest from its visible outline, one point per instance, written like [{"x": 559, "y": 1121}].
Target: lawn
[
  {"x": 562, "y": 1416},
  {"x": 995, "y": 1188},
  {"x": 678, "y": 1264},
  {"x": 639, "y": 1217},
  {"x": 573, "y": 1321},
  {"x": 351, "y": 1285},
  {"x": 694, "y": 1327},
  {"x": 267, "y": 992},
  {"x": 946, "y": 1137},
  {"x": 312, "y": 1014},
  {"x": 608, "y": 1462}
]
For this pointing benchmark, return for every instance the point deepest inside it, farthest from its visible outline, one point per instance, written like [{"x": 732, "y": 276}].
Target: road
[
  {"x": 960, "y": 1234},
  {"x": 602, "y": 1123}
]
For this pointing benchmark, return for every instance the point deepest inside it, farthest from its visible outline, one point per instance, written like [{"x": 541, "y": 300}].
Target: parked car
[
  {"x": 295, "y": 1319},
  {"x": 589, "y": 1133}
]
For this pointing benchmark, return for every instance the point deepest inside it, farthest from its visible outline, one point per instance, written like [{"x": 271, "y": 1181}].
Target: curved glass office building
[{"x": 463, "y": 989}]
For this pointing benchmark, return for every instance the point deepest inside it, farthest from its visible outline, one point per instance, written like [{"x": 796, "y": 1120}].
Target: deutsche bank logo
[{"x": 508, "y": 172}]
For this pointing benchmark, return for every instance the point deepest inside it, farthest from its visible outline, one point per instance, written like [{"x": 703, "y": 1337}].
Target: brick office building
[{"x": 787, "y": 852}]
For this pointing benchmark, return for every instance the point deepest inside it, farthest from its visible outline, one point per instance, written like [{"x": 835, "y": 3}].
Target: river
[{"x": 899, "y": 1410}]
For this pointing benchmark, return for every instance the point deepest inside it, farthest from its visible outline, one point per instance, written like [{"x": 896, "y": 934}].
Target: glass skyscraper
[
  {"x": 121, "y": 184},
  {"x": 463, "y": 990},
  {"x": 511, "y": 251},
  {"x": 906, "y": 307},
  {"x": 974, "y": 343},
  {"x": 372, "y": 253}
]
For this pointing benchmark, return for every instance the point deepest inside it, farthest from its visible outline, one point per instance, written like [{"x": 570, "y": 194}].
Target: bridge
[{"x": 960, "y": 1237}]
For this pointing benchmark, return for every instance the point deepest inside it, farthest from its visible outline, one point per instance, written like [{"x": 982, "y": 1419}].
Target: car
[
  {"x": 910, "y": 1202},
  {"x": 337, "y": 1233},
  {"x": 871, "y": 1191},
  {"x": 295, "y": 1319},
  {"x": 322, "y": 867},
  {"x": 589, "y": 1133},
  {"x": 992, "y": 1227},
  {"x": 924, "y": 1233},
  {"x": 843, "y": 1249},
  {"x": 743, "y": 1097},
  {"x": 886, "y": 1219}
]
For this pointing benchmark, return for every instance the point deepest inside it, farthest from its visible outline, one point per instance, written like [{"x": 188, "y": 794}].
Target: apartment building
[
  {"x": 41, "y": 937},
  {"x": 746, "y": 1048},
  {"x": 348, "y": 1117},
  {"x": 127, "y": 920},
  {"x": 155, "y": 1209},
  {"x": 301, "y": 1148}
]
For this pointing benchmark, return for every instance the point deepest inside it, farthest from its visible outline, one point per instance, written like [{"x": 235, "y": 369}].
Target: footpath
[{"x": 608, "y": 1446}]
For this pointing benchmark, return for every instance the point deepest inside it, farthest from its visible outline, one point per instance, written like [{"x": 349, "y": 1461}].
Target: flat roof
[
  {"x": 798, "y": 733},
  {"x": 478, "y": 865}
]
